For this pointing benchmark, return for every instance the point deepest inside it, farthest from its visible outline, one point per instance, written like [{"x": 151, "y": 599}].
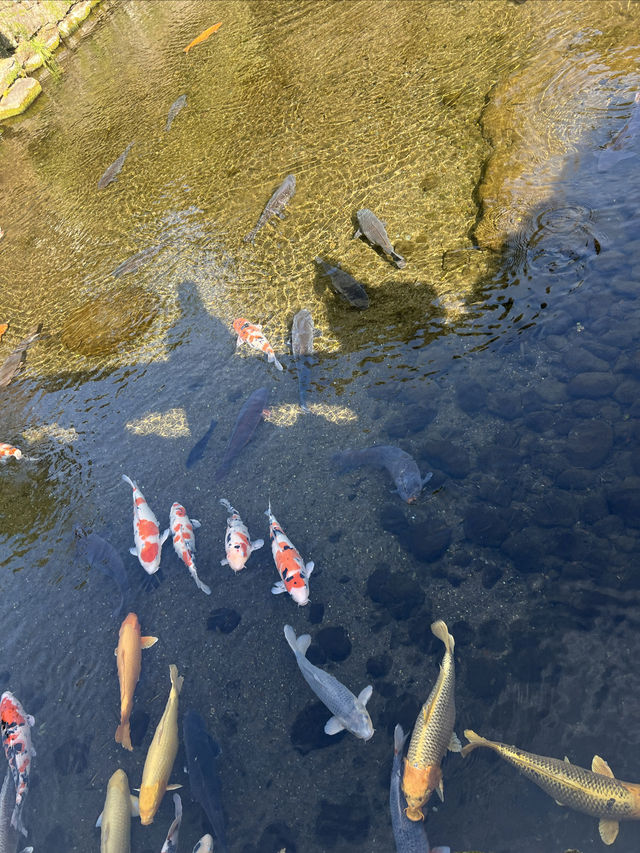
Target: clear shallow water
[{"x": 512, "y": 375}]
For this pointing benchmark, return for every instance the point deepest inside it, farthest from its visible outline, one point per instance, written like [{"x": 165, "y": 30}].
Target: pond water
[{"x": 504, "y": 357}]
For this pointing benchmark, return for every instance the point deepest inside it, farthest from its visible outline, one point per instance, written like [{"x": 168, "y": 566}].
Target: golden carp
[
  {"x": 432, "y": 734},
  {"x": 129, "y": 654},
  {"x": 203, "y": 36},
  {"x": 596, "y": 792},
  {"x": 115, "y": 820},
  {"x": 162, "y": 753}
]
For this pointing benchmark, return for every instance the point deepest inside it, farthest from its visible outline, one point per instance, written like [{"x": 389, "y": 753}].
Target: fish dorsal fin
[
  {"x": 566, "y": 760},
  {"x": 608, "y": 830},
  {"x": 599, "y": 765},
  {"x": 146, "y": 642},
  {"x": 365, "y": 695},
  {"x": 303, "y": 643},
  {"x": 173, "y": 787},
  {"x": 333, "y": 726},
  {"x": 454, "y": 743}
]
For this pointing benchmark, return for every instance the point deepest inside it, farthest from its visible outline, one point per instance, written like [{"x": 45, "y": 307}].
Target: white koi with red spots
[
  {"x": 251, "y": 333},
  {"x": 8, "y": 451},
  {"x": 16, "y": 740},
  {"x": 290, "y": 565},
  {"x": 237, "y": 544},
  {"x": 184, "y": 541},
  {"x": 146, "y": 532}
]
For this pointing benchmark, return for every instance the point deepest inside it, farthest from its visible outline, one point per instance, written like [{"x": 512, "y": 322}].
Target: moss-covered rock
[
  {"x": 75, "y": 16},
  {"x": 21, "y": 93},
  {"x": 9, "y": 70}
]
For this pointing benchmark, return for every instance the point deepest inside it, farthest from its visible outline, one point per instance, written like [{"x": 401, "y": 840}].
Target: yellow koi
[
  {"x": 129, "y": 655},
  {"x": 203, "y": 36},
  {"x": 115, "y": 820},
  {"x": 596, "y": 792}
]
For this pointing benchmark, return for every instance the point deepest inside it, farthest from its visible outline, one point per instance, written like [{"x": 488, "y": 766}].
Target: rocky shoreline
[{"x": 30, "y": 32}]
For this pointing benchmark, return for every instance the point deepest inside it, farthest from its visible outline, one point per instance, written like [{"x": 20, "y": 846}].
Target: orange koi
[
  {"x": 129, "y": 656},
  {"x": 8, "y": 451},
  {"x": 3, "y": 329},
  {"x": 290, "y": 565},
  {"x": 203, "y": 36},
  {"x": 251, "y": 333}
]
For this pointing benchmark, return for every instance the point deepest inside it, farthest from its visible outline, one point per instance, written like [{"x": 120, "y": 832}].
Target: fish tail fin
[
  {"x": 128, "y": 480},
  {"x": 16, "y": 818},
  {"x": 206, "y": 589},
  {"x": 298, "y": 644},
  {"x": 400, "y": 261},
  {"x": 267, "y": 512},
  {"x": 399, "y": 738},
  {"x": 474, "y": 742},
  {"x": 271, "y": 358},
  {"x": 123, "y": 735},
  {"x": 225, "y": 503},
  {"x": 440, "y": 630},
  {"x": 176, "y": 680}
]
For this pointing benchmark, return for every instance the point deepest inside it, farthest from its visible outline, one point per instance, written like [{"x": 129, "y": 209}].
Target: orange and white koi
[
  {"x": 237, "y": 544},
  {"x": 15, "y": 725},
  {"x": 203, "y": 36},
  {"x": 290, "y": 565},
  {"x": 251, "y": 333},
  {"x": 184, "y": 541},
  {"x": 8, "y": 451},
  {"x": 146, "y": 532}
]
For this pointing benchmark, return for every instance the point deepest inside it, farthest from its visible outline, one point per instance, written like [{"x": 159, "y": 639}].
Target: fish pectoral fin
[
  {"x": 454, "y": 743},
  {"x": 599, "y": 765},
  {"x": 308, "y": 569},
  {"x": 357, "y": 233},
  {"x": 365, "y": 695},
  {"x": 426, "y": 478},
  {"x": 147, "y": 642},
  {"x": 99, "y": 821},
  {"x": 195, "y": 523},
  {"x": 173, "y": 787},
  {"x": 133, "y": 552},
  {"x": 257, "y": 543},
  {"x": 32, "y": 721},
  {"x": 558, "y": 803},
  {"x": 135, "y": 805},
  {"x": 440, "y": 790},
  {"x": 278, "y": 588},
  {"x": 333, "y": 726},
  {"x": 224, "y": 562},
  {"x": 164, "y": 536},
  {"x": 608, "y": 830}
]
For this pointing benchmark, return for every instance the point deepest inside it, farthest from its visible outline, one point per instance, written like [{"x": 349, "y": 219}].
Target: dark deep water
[{"x": 508, "y": 365}]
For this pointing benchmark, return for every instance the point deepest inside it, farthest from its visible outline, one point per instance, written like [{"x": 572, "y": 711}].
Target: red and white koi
[
  {"x": 146, "y": 532},
  {"x": 237, "y": 544},
  {"x": 15, "y": 725},
  {"x": 184, "y": 541},
  {"x": 171, "y": 843},
  {"x": 8, "y": 451},
  {"x": 290, "y": 565},
  {"x": 251, "y": 333}
]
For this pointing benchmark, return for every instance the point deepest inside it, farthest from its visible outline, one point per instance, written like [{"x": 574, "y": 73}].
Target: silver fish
[
  {"x": 349, "y": 712},
  {"x": 8, "y": 834},
  {"x": 111, "y": 173},
  {"x": 174, "y": 109},
  {"x": 402, "y": 467},
  {"x": 136, "y": 261},
  {"x": 16, "y": 359},
  {"x": 302, "y": 333},
  {"x": 275, "y": 206},
  {"x": 374, "y": 230}
]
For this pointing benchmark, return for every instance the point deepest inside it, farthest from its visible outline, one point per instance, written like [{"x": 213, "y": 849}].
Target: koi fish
[
  {"x": 290, "y": 565},
  {"x": 15, "y": 361},
  {"x": 202, "y": 752},
  {"x": 8, "y": 451},
  {"x": 100, "y": 554},
  {"x": 115, "y": 819},
  {"x": 184, "y": 541},
  {"x": 249, "y": 416},
  {"x": 112, "y": 171},
  {"x": 432, "y": 734},
  {"x": 302, "y": 334},
  {"x": 8, "y": 835},
  {"x": 197, "y": 451},
  {"x": 349, "y": 711},
  {"x": 203, "y": 36},
  {"x": 15, "y": 726},
  {"x": 162, "y": 753},
  {"x": 251, "y": 333},
  {"x": 373, "y": 229},
  {"x": 237, "y": 544},
  {"x": 174, "y": 109},
  {"x": 205, "y": 845},
  {"x": 129, "y": 657},
  {"x": 3, "y": 326},
  {"x": 595, "y": 792},
  {"x": 275, "y": 206},
  {"x": 401, "y": 465},
  {"x": 171, "y": 842},
  {"x": 148, "y": 547}
]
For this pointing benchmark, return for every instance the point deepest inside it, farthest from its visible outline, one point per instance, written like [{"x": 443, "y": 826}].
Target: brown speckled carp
[
  {"x": 374, "y": 230},
  {"x": 15, "y": 360},
  {"x": 345, "y": 285},
  {"x": 302, "y": 334},
  {"x": 402, "y": 467},
  {"x": 595, "y": 792},
  {"x": 275, "y": 206},
  {"x": 248, "y": 419},
  {"x": 432, "y": 734},
  {"x": 111, "y": 173}
]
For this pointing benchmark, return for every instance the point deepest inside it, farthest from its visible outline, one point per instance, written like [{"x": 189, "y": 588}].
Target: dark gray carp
[
  {"x": 248, "y": 419},
  {"x": 197, "y": 451},
  {"x": 402, "y": 467},
  {"x": 16, "y": 359},
  {"x": 136, "y": 261},
  {"x": 621, "y": 146},
  {"x": 8, "y": 834},
  {"x": 302, "y": 334},
  {"x": 112, "y": 172},
  {"x": 174, "y": 109},
  {"x": 201, "y": 751},
  {"x": 275, "y": 206},
  {"x": 100, "y": 554},
  {"x": 374, "y": 230},
  {"x": 345, "y": 285}
]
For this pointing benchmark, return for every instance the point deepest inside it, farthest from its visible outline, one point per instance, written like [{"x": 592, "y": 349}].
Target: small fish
[
  {"x": 161, "y": 755},
  {"x": 202, "y": 753},
  {"x": 100, "y": 554},
  {"x": 115, "y": 818},
  {"x": 251, "y": 333},
  {"x": 203, "y": 36},
  {"x": 275, "y": 206},
  {"x": 3, "y": 329},
  {"x": 349, "y": 712},
  {"x": 184, "y": 541},
  {"x": 171, "y": 842},
  {"x": 302, "y": 334},
  {"x": 402, "y": 467},
  {"x": 136, "y": 261},
  {"x": 8, "y": 835},
  {"x": 16, "y": 359},
  {"x": 129, "y": 657},
  {"x": 595, "y": 792},
  {"x": 410, "y": 837},
  {"x": 15, "y": 726},
  {"x": 197, "y": 451},
  {"x": 290, "y": 565},
  {"x": 8, "y": 451},
  {"x": 237, "y": 544},
  {"x": 432, "y": 734},
  {"x": 174, "y": 109},
  {"x": 620, "y": 147},
  {"x": 205, "y": 845},
  {"x": 111, "y": 173},
  {"x": 248, "y": 419},
  {"x": 345, "y": 285},
  {"x": 374, "y": 230},
  {"x": 149, "y": 542}
]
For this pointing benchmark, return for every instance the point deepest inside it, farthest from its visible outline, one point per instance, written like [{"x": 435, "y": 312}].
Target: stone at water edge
[{"x": 21, "y": 94}]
